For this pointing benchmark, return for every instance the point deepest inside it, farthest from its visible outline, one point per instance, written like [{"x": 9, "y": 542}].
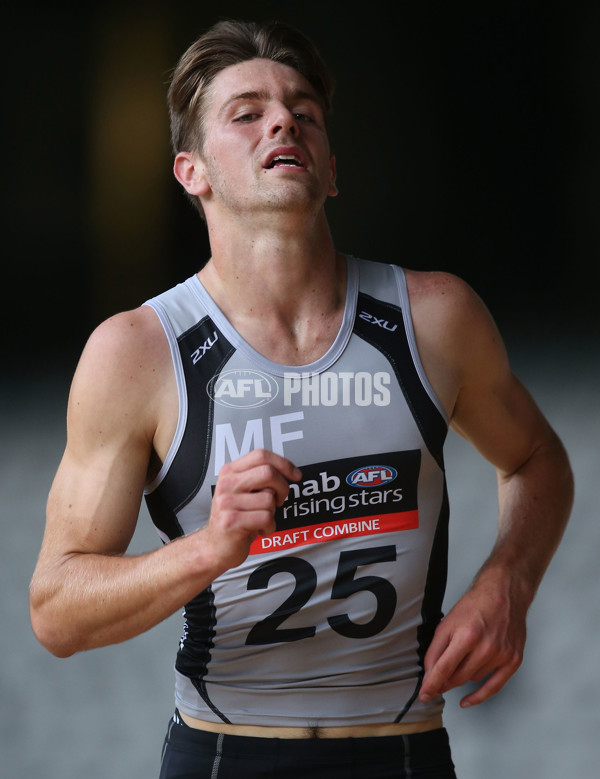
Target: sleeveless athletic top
[{"x": 328, "y": 620}]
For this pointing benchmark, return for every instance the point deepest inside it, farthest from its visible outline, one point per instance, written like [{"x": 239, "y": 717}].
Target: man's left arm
[{"x": 482, "y": 637}]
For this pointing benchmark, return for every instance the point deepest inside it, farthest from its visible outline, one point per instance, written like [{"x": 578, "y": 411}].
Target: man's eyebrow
[{"x": 248, "y": 95}]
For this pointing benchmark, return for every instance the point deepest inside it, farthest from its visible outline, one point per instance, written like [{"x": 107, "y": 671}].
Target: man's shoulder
[
  {"x": 439, "y": 299},
  {"x": 129, "y": 349},
  {"x": 428, "y": 285},
  {"x": 454, "y": 330},
  {"x": 135, "y": 331},
  {"x": 420, "y": 283}
]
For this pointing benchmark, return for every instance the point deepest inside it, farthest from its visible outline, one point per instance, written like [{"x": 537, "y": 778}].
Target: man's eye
[
  {"x": 244, "y": 118},
  {"x": 302, "y": 117}
]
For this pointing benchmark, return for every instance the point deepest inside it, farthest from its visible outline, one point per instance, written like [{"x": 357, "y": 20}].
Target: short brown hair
[{"x": 229, "y": 43}]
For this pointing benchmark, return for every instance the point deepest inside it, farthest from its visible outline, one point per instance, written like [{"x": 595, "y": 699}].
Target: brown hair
[{"x": 229, "y": 43}]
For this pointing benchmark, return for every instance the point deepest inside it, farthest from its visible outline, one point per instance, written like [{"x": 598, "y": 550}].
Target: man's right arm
[{"x": 85, "y": 591}]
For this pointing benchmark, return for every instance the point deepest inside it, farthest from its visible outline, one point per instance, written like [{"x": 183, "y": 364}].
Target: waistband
[
  {"x": 420, "y": 746},
  {"x": 308, "y": 732}
]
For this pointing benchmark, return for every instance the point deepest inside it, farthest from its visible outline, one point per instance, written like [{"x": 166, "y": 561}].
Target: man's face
[{"x": 266, "y": 147}]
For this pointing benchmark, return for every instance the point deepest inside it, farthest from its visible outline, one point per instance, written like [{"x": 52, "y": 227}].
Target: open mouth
[{"x": 284, "y": 161}]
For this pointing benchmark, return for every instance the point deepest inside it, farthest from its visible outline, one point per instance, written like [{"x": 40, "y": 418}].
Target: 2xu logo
[
  {"x": 371, "y": 476},
  {"x": 379, "y": 322},
  {"x": 242, "y": 389}
]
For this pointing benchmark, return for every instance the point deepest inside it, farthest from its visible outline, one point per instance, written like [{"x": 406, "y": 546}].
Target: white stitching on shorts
[
  {"x": 407, "y": 769},
  {"x": 166, "y": 741},
  {"x": 218, "y": 756}
]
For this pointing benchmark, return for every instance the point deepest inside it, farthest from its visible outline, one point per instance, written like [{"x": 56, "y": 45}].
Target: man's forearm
[
  {"x": 92, "y": 600},
  {"x": 534, "y": 506}
]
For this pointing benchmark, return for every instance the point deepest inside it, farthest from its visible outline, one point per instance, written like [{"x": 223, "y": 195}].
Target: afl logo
[
  {"x": 242, "y": 389},
  {"x": 371, "y": 476}
]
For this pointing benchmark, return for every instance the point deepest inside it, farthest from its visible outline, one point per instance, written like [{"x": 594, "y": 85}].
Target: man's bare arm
[
  {"x": 483, "y": 636},
  {"x": 85, "y": 592}
]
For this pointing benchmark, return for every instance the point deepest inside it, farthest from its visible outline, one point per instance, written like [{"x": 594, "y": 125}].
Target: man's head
[{"x": 229, "y": 43}]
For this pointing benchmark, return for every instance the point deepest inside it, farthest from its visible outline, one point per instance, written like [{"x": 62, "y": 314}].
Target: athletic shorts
[{"x": 195, "y": 754}]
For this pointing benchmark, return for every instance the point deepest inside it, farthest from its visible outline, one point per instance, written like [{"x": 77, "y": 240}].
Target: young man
[{"x": 284, "y": 412}]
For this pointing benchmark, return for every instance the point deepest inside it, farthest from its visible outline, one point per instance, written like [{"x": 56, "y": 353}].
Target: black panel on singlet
[
  {"x": 381, "y": 325},
  {"x": 204, "y": 351}
]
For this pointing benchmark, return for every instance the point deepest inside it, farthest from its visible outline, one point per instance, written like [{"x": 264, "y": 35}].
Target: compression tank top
[{"x": 327, "y": 621}]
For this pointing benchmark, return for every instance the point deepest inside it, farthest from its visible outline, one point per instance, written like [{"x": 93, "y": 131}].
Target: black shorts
[{"x": 195, "y": 754}]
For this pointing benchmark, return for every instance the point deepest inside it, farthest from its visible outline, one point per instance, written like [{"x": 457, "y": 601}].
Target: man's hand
[
  {"x": 248, "y": 491},
  {"x": 481, "y": 639}
]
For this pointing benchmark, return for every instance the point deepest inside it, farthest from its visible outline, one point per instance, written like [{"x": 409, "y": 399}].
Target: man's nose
[{"x": 283, "y": 120}]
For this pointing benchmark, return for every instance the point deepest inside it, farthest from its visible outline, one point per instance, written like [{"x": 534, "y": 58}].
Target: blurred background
[{"x": 467, "y": 141}]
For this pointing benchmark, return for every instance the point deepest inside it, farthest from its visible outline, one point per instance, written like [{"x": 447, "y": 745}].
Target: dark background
[{"x": 466, "y": 138}]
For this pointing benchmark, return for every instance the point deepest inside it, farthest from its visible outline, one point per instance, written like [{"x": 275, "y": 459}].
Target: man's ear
[{"x": 190, "y": 173}]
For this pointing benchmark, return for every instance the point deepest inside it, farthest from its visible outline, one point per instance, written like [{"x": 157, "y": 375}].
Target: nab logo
[
  {"x": 242, "y": 389},
  {"x": 371, "y": 476}
]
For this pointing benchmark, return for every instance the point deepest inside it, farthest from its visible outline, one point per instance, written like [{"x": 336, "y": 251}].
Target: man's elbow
[
  {"x": 50, "y": 638},
  {"x": 48, "y": 628},
  {"x": 564, "y": 476}
]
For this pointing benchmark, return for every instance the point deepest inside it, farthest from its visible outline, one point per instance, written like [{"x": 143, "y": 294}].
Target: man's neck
[{"x": 283, "y": 290}]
